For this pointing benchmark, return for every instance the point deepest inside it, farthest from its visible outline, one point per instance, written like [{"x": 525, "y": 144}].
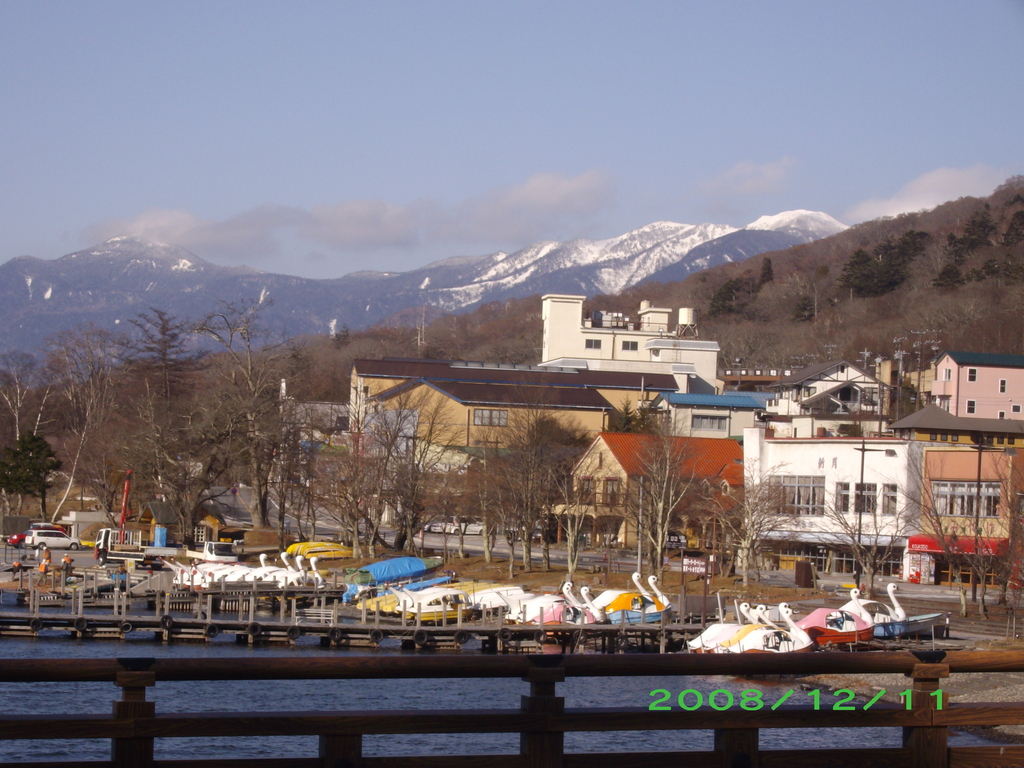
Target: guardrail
[{"x": 542, "y": 721}]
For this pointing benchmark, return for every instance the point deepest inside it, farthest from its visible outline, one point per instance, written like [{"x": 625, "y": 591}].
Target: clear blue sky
[{"x": 321, "y": 138}]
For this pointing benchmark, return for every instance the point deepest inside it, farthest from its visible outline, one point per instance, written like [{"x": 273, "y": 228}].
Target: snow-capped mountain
[{"x": 110, "y": 283}]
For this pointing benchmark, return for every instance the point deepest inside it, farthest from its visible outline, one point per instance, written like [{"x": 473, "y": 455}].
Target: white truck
[
  {"x": 214, "y": 552},
  {"x": 119, "y": 546}
]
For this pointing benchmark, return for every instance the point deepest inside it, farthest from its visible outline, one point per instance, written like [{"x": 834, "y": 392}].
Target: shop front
[{"x": 931, "y": 560}]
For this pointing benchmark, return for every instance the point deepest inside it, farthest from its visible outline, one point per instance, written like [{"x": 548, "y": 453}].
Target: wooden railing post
[
  {"x": 543, "y": 749},
  {"x": 927, "y": 742},
  {"x": 133, "y": 752},
  {"x": 738, "y": 747},
  {"x": 341, "y": 751}
]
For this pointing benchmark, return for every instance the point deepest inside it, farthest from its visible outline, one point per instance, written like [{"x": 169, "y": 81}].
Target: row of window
[
  {"x": 805, "y": 495},
  {"x": 610, "y": 495},
  {"x": 490, "y": 417},
  {"x": 627, "y": 346},
  {"x": 972, "y": 407},
  {"x": 972, "y": 376},
  {"x": 947, "y": 438}
]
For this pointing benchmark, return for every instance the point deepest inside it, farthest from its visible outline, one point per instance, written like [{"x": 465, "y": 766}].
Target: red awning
[{"x": 961, "y": 545}]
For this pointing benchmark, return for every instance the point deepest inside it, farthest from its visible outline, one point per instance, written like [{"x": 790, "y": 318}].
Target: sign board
[{"x": 694, "y": 565}]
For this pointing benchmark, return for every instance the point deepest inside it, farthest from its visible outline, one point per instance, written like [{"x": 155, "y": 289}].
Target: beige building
[
  {"x": 649, "y": 343},
  {"x": 478, "y": 400}
]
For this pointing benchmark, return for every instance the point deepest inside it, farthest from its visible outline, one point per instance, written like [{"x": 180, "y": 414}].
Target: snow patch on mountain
[{"x": 809, "y": 223}]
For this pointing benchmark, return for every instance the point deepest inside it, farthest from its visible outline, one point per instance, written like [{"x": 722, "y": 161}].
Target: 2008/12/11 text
[{"x": 752, "y": 700}]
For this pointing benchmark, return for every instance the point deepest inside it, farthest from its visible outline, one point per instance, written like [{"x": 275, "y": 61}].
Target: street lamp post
[{"x": 859, "y": 498}]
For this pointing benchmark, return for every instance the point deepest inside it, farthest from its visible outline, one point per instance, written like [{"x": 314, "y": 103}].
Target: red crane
[{"x": 125, "y": 511}]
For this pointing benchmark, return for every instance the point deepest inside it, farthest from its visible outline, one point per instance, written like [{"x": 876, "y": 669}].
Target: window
[
  {"x": 611, "y": 491},
  {"x": 971, "y": 406},
  {"x": 586, "y": 490},
  {"x": 1015, "y": 408},
  {"x": 867, "y": 498},
  {"x": 866, "y": 494},
  {"x": 802, "y": 495},
  {"x": 490, "y": 417},
  {"x": 933, "y": 437},
  {"x": 709, "y": 422},
  {"x": 630, "y": 346},
  {"x": 1002, "y": 414},
  {"x": 947, "y": 374},
  {"x": 592, "y": 343},
  {"x": 1002, "y": 386},
  {"x": 843, "y": 497},
  {"x": 954, "y": 438},
  {"x": 889, "y": 499},
  {"x": 957, "y": 499},
  {"x": 972, "y": 374}
]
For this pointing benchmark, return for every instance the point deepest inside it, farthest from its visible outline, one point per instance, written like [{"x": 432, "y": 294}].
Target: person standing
[{"x": 67, "y": 565}]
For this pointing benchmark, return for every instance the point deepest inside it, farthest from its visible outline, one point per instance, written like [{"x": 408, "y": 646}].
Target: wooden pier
[
  {"x": 261, "y": 615},
  {"x": 542, "y": 720}
]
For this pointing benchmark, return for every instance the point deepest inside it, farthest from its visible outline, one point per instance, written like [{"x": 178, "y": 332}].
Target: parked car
[
  {"x": 16, "y": 539},
  {"x": 473, "y": 529},
  {"x": 437, "y": 526},
  {"x": 49, "y": 538}
]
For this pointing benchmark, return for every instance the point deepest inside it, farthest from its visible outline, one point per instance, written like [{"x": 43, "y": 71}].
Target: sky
[{"x": 321, "y": 138}]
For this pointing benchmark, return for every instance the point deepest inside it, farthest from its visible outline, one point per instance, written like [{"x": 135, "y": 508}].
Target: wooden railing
[{"x": 542, "y": 720}]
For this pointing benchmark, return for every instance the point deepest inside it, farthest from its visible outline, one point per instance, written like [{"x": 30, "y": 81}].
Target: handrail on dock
[{"x": 542, "y": 721}]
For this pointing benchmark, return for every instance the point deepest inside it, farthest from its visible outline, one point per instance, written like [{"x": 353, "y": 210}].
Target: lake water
[{"x": 362, "y": 695}]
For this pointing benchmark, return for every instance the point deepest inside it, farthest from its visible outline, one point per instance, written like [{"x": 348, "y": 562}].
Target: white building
[
  {"x": 835, "y": 388},
  {"x": 650, "y": 342},
  {"x": 820, "y": 479}
]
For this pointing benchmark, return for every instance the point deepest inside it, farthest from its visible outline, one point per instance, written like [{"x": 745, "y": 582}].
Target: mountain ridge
[{"x": 114, "y": 281}]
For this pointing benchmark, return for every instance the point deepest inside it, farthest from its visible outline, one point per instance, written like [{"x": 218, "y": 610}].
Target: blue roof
[{"x": 715, "y": 401}]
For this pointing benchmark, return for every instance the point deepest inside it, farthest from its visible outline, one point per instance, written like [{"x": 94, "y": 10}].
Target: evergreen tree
[
  {"x": 1014, "y": 234},
  {"x": 26, "y": 468},
  {"x": 803, "y": 310},
  {"x": 767, "y": 273},
  {"x": 949, "y": 277},
  {"x": 859, "y": 273}
]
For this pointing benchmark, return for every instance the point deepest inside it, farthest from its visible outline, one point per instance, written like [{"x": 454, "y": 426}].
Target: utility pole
[{"x": 919, "y": 345}]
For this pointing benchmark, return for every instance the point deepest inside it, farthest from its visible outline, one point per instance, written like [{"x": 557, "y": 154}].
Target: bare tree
[
  {"x": 86, "y": 368},
  {"x": 748, "y": 517},
  {"x": 536, "y": 457},
  {"x": 251, "y": 367},
  {"x": 667, "y": 474},
  {"x": 412, "y": 433}
]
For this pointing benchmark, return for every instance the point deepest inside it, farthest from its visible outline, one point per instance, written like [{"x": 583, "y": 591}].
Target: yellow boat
[
  {"x": 325, "y": 550},
  {"x": 389, "y": 603},
  {"x": 435, "y": 604}
]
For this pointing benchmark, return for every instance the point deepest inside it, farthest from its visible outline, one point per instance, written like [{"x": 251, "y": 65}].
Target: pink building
[{"x": 980, "y": 384}]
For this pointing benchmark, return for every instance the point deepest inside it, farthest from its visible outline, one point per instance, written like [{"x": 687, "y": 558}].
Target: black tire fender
[
  {"x": 211, "y": 631},
  {"x": 421, "y": 637},
  {"x": 462, "y": 637},
  {"x": 540, "y": 636},
  {"x": 622, "y": 642},
  {"x": 126, "y": 627},
  {"x": 35, "y": 625},
  {"x": 81, "y": 624},
  {"x": 336, "y": 634},
  {"x": 505, "y": 634},
  {"x": 166, "y": 622},
  {"x": 376, "y": 635},
  {"x": 294, "y": 632},
  {"x": 253, "y": 629}
]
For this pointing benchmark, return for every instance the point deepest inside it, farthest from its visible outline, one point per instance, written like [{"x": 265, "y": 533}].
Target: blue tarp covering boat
[{"x": 395, "y": 569}]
